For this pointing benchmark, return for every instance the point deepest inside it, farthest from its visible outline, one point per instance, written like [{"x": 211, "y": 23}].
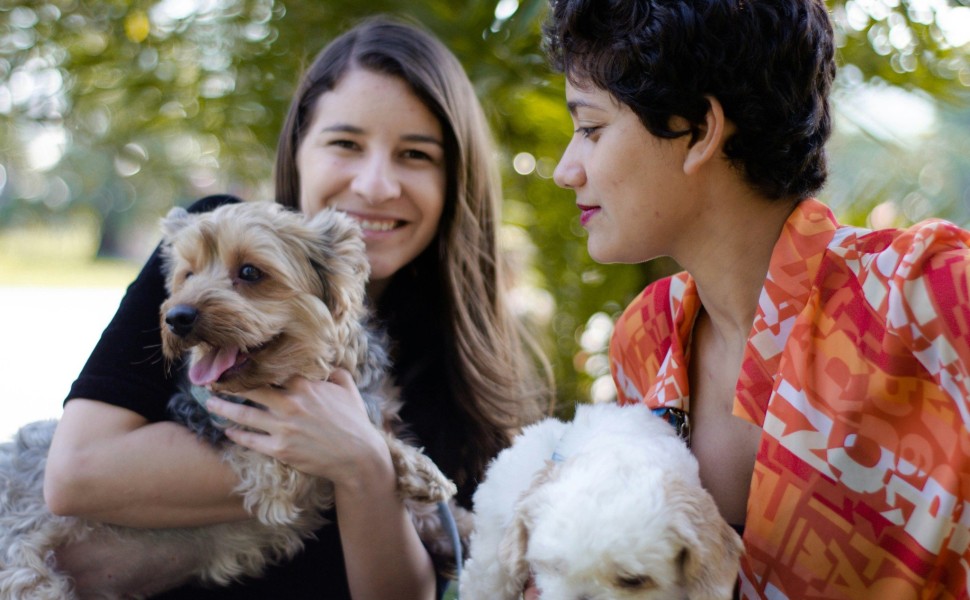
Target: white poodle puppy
[{"x": 609, "y": 506}]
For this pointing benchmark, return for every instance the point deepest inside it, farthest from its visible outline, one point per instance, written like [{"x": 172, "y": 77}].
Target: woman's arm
[
  {"x": 321, "y": 428},
  {"x": 109, "y": 464},
  {"x": 384, "y": 557}
]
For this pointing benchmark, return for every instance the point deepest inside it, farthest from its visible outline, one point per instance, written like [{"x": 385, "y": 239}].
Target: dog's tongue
[{"x": 210, "y": 367}]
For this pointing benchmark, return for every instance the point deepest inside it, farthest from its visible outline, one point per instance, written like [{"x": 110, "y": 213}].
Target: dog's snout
[{"x": 181, "y": 319}]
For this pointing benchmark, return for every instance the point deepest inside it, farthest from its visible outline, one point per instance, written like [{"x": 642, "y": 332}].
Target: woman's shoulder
[
  {"x": 915, "y": 280},
  {"x": 905, "y": 252},
  {"x": 925, "y": 261},
  {"x": 210, "y": 203}
]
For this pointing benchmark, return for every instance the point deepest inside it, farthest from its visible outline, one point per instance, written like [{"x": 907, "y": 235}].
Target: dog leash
[{"x": 451, "y": 528}]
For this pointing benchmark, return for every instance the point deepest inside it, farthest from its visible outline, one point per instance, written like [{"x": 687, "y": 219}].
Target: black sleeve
[{"x": 127, "y": 368}]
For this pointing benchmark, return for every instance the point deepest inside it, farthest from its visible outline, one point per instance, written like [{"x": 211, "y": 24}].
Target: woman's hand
[
  {"x": 318, "y": 427},
  {"x": 322, "y": 429}
]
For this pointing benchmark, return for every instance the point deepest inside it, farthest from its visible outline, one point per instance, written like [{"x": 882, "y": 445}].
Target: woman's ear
[{"x": 710, "y": 137}]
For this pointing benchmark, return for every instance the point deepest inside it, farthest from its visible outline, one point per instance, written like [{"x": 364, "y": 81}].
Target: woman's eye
[
  {"x": 415, "y": 154},
  {"x": 345, "y": 144},
  {"x": 250, "y": 273},
  {"x": 586, "y": 131}
]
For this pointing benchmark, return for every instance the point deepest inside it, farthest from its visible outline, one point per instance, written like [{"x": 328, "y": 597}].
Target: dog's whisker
[{"x": 155, "y": 356}]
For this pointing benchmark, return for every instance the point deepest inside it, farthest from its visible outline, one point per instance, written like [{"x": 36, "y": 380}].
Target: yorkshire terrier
[{"x": 257, "y": 294}]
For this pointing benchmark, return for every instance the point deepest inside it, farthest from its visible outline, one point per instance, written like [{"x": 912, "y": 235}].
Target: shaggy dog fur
[
  {"x": 609, "y": 506},
  {"x": 257, "y": 294}
]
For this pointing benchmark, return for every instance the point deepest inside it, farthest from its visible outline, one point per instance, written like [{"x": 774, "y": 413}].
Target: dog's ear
[
  {"x": 176, "y": 219},
  {"x": 709, "y": 561},
  {"x": 339, "y": 256},
  {"x": 515, "y": 541}
]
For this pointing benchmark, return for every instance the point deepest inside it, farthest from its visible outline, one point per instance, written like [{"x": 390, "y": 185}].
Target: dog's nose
[{"x": 181, "y": 318}]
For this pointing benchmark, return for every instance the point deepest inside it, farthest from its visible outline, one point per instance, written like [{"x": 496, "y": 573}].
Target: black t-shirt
[{"x": 127, "y": 369}]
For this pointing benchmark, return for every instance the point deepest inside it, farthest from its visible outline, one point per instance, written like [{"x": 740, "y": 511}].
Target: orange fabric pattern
[{"x": 856, "y": 369}]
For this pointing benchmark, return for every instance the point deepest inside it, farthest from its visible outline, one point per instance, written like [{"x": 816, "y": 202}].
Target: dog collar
[
  {"x": 676, "y": 418},
  {"x": 557, "y": 455}
]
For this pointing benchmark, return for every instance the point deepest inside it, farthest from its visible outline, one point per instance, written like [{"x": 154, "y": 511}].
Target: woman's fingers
[
  {"x": 343, "y": 378},
  {"x": 318, "y": 427},
  {"x": 254, "y": 440},
  {"x": 241, "y": 414}
]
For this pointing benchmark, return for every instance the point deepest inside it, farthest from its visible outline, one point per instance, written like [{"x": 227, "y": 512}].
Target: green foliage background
[{"x": 152, "y": 103}]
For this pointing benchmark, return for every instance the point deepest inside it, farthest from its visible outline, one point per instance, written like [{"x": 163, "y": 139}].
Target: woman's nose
[
  {"x": 376, "y": 180},
  {"x": 569, "y": 172}
]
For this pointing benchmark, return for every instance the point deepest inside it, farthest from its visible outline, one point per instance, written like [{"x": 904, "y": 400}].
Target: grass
[{"x": 45, "y": 256}]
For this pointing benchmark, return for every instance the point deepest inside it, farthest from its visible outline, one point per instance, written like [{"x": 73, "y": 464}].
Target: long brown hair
[{"x": 459, "y": 349}]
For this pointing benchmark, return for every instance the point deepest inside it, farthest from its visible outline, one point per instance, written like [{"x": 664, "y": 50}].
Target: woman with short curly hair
[{"x": 819, "y": 372}]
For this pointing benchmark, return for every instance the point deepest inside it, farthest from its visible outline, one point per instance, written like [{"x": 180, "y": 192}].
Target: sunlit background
[{"x": 111, "y": 112}]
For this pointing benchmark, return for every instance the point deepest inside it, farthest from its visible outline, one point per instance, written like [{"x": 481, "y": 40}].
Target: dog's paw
[
  {"x": 418, "y": 478},
  {"x": 428, "y": 487}
]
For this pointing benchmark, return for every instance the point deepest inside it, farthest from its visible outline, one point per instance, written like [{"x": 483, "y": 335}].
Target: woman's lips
[{"x": 586, "y": 213}]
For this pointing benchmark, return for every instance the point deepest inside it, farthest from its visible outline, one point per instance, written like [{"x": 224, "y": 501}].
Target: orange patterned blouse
[{"x": 857, "y": 369}]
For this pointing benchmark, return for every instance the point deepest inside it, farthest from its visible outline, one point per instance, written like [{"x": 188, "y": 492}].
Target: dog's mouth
[{"x": 218, "y": 364}]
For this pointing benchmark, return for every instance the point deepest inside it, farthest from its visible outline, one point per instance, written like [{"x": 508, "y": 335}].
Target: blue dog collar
[{"x": 676, "y": 418}]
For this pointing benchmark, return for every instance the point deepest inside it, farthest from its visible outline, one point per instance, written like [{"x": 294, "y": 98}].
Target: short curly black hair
[{"x": 770, "y": 63}]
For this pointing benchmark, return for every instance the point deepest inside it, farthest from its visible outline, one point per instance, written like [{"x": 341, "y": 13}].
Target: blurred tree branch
[{"x": 121, "y": 109}]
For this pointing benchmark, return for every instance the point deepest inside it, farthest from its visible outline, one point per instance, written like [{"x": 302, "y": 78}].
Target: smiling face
[
  {"x": 630, "y": 186},
  {"x": 374, "y": 151}
]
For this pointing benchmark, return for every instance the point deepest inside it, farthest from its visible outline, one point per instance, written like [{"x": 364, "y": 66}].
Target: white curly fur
[
  {"x": 622, "y": 515},
  {"x": 310, "y": 321}
]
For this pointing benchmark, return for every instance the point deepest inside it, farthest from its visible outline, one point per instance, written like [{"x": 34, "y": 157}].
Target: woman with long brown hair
[{"x": 384, "y": 126}]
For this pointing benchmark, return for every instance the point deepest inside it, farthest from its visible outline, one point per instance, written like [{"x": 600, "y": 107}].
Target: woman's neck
[{"x": 731, "y": 265}]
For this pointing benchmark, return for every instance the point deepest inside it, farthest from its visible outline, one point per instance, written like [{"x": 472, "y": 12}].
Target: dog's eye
[
  {"x": 250, "y": 273},
  {"x": 635, "y": 582}
]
